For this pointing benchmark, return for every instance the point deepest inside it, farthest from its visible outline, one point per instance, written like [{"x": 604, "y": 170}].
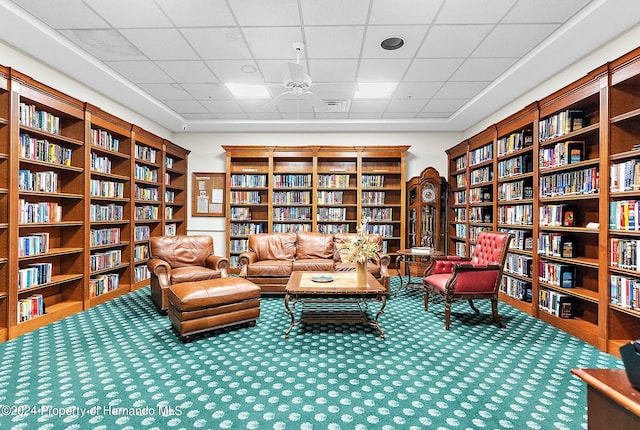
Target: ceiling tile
[
  {"x": 418, "y": 90},
  {"x": 460, "y": 90},
  {"x": 511, "y": 40},
  {"x": 369, "y": 105},
  {"x": 450, "y": 41},
  {"x": 187, "y": 71},
  {"x": 335, "y": 91},
  {"x": 60, "y": 14},
  {"x": 333, "y": 70},
  {"x": 411, "y": 34},
  {"x": 540, "y": 11},
  {"x": 382, "y": 70},
  {"x": 433, "y": 114},
  {"x": 224, "y": 43},
  {"x": 403, "y": 11},
  {"x": 235, "y": 70},
  {"x": 406, "y": 105},
  {"x": 186, "y": 106},
  {"x": 482, "y": 69},
  {"x": 106, "y": 45},
  {"x": 265, "y": 13},
  {"x": 436, "y": 69},
  {"x": 294, "y": 105},
  {"x": 166, "y": 91},
  {"x": 257, "y": 106},
  {"x": 444, "y": 105},
  {"x": 334, "y": 12},
  {"x": 274, "y": 42},
  {"x": 140, "y": 72},
  {"x": 207, "y": 91},
  {"x": 274, "y": 70},
  {"x": 473, "y": 12},
  {"x": 221, "y": 106},
  {"x": 130, "y": 14},
  {"x": 198, "y": 13},
  {"x": 333, "y": 42},
  {"x": 161, "y": 44}
]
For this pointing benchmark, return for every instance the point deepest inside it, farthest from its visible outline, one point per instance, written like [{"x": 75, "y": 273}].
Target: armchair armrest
[
  {"x": 244, "y": 260},
  {"x": 444, "y": 264},
  {"x": 162, "y": 271},
  {"x": 219, "y": 263}
]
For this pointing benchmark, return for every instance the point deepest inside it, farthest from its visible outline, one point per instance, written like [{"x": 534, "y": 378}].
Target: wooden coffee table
[{"x": 342, "y": 290}]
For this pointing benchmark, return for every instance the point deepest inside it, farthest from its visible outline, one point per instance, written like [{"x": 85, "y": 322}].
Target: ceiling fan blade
[
  {"x": 296, "y": 72},
  {"x": 276, "y": 99},
  {"x": 315, "y": 101}
]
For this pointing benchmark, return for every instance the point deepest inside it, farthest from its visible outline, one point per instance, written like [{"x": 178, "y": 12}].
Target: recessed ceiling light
[
  {"x": 248, "y": 68},
  {"x": 378, "y": 90},
  {"x": 392, "y": 43},
  {"x": 248, "y": 91}
]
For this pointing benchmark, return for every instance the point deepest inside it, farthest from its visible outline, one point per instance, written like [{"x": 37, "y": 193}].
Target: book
[{"x": 567, "y": 278}]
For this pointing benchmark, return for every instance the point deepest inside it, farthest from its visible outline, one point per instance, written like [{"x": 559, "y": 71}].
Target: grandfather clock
[{"x": 425, "y": 210}]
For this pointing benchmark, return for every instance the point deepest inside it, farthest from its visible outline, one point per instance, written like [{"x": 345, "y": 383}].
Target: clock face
[{"x": 428, "y": 193}]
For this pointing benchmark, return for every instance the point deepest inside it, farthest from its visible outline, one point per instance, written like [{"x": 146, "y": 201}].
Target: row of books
[
  {"x": 244, "y": 197},
  {"x": 515, "y": 142},
  {"x": 141, "y": 273},
  {"x": 292, "y": 213},
  {"x": 170, "y": 229},
  {"x": 372, "y": 181},
  {"x": 556, "y": 215},
  {"x": 167, "y": 178},
  {"x": 145, "y": 173},
  {"x": 169, "y": 196},
  {"x": 103, "y": 188},
  {"x": 105, "y": 260},
  {"x": 460, "y": 163},
  {"x": 46, "y": 181},
  {"x": 515, "y": 166},
  {"x": 43, "y": 150},
  {"x": 333, "y": 228},
  {"x": 40, "y": 212},
  {"x": 625, "y": 176},
  {"x": 330, "y": 197},
  {"x": 480, "y": 214},
  {"x": 104, "y": 139},
  {"x": 238, "y": 245},
  {"x": 241, "y": 181},
  {"x": 333, "y": 181},
  {"x": 624, "y": 253},
  {"x": 146, "y": 193},
  {"x": 459, "y": 214},
  {"x": 290, "y": 181},
  {"x": 30, "y": 116},
  {"x": 384, "y": 230},
  {"x": 140, "y": 252},
  {"x": 147, "y": 213},
  {"x": 519, "y": 264},
  {"x": 142, "y": 232},
  {"x": 30, "y": 307},
  {"x": 625, "y": 291},
  {"x": 110, "y": 212},
  {"x": 291, "y": 227},
  {"x": 145, "y": 153},
  {"x": 555, "y": 244},
  {"x": 240, "y": 214},
  {"x": 516, "y": 288},
  {"x": 484, "y": 174},
  {"x": 245, "y": 229},
  {"x": 561, "y": 123},
  {"x": 373, "y": 197},
  {"x": 377, "y": 214},
  {"x": 168, "y": 212},
  {"x": 561, "y": 154},
  {"x": 459, "y": 197},
  {"x": 292, "y": 197},
  {"x": 34, "y": 274},
  {"x": 522, "y": 239},
  {"x": 332, "y": 214},
  {"x": 34, "y": 244},
  {"x": 100, "y": 164},
  {"x": 474, "y": 232},
  {"x": 480, "y": 195},
  {"x": 555, "y": 303},
  {"x": 515, "y": 214},
  {"x": 585, "y": 181},
  {"x": 559, "y": 275},
  {"x": 480, "y": 155},
  {"x": 103, "y": 284},
  {"x": 104, "y": 236},
  {"x": 515, "y": 190},
  {"x": 169, "y": 162}
]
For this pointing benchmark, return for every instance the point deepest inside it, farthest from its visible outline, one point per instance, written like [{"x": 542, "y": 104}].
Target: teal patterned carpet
[{"x": 119, "y": 366}]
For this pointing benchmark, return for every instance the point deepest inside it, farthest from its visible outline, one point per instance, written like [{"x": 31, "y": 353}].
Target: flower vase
[{"x": 361, "y": 275}]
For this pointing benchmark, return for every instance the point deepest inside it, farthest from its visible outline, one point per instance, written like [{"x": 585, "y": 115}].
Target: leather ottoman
[{"x": 196, "y": 307}]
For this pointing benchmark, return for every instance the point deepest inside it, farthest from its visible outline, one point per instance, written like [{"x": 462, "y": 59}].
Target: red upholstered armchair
[{"x": 457, "y": 278}]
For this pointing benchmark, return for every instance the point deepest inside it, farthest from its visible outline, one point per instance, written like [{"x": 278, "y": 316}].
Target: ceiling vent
[{"x": 337, "y": 105}]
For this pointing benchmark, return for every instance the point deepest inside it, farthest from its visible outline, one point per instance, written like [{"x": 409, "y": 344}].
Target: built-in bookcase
[
  {"x": 69, "y": 236},
  {"x": 175, "y": 189},
  {"x": 324, "y": 189},
  {"x": 575, "y": 194}
]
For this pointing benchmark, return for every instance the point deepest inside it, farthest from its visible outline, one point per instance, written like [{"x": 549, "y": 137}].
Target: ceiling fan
[{"x": 297, "y": 84}]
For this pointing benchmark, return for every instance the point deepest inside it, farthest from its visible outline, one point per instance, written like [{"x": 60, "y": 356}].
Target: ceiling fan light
[
  {"x": 392, "y": 43},
  {"x": 375, "y": 90},
  {"x": 248, "y": 91}
]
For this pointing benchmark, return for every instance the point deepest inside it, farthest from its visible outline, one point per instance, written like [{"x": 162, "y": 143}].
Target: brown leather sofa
[
  {"x": 272, "y": 257},
  {"x": 180, "y": 259}
]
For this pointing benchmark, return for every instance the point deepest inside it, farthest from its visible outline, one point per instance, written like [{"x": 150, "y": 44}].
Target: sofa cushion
[
  {"x": 313, "y": 265},
  {"x": 271, "y": 268},
  {"x": 314, "y": 245},
  {"x": 191, "y": 274},
  {"x": 273, "y": 246},
  {"x": 181, "y": 251}
]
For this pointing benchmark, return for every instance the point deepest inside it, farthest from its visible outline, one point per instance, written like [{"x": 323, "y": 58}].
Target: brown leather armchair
[
  {"x": 178, "y": 259},
  {"x": 457, "y": 278}
]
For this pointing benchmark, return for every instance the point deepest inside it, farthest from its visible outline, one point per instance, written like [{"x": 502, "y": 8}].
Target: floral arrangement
[{"x": 359, "y": 248}]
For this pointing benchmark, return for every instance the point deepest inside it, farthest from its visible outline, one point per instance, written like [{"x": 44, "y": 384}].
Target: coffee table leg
[
  {"x": 380, "y": 312},
  {"x": 290, "y": 312},
  {"x": 399, "y": 261}
]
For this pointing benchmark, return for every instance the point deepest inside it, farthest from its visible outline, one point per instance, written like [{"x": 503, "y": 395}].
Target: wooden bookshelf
[
  {"x": 175, "y": 189},
  {"x": 67, "y": 237},
  {"x": 326, "y": 189},
  {"x": 584, "y": 171}
]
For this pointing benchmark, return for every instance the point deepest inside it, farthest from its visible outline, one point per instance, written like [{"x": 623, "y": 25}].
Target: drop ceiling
[{"x": 169, "y": 59}]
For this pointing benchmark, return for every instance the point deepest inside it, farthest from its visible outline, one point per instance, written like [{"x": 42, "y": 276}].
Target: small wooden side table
[
  {"x": 612, "y": 403},
  {"x": 408, "y": 257}
]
